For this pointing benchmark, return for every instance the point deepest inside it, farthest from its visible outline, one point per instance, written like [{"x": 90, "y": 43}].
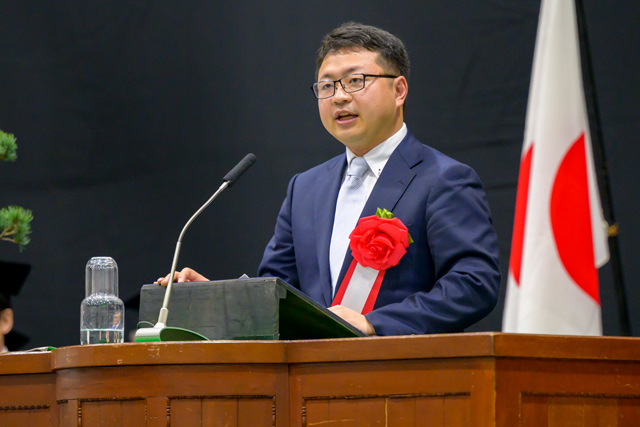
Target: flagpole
[{"x": 601, "y": 168}]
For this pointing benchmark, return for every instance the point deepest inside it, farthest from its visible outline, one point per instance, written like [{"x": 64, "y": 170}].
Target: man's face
[{"x": 361, "y": 120}]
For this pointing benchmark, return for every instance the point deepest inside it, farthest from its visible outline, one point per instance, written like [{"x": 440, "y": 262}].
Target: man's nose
[{"x": 341, "y": 95}]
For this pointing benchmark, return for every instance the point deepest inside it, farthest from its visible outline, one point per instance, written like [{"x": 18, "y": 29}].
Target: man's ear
[
  {"x": 6, "y": 321},
  {"x": 402, "y": 90}
]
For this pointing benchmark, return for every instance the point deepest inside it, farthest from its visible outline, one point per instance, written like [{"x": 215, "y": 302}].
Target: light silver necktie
[{"x": 351, "y": 200}]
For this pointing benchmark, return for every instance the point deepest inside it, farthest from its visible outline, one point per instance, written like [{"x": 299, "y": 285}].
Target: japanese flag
[{"x": 559, "y": 235}]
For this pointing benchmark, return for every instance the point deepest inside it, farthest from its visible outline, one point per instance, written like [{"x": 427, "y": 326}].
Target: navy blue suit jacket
[{"x": 449, "y": 277}]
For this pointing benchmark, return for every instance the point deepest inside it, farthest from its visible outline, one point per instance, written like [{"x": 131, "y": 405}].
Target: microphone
[
  {"x": 153, "y": 334},
  {"x": 235, "y": 173}
]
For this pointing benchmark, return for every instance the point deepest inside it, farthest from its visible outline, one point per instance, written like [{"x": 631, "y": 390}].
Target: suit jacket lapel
[
  {"x": 324, "y": 212},
  {"x": 391, "y": 185}
]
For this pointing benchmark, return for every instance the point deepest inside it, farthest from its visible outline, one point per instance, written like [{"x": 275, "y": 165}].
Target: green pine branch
[
  {"x": 8, "y": 147},
  {"x": 15, "y": 221},
  {"x": 15, "y": 225}
]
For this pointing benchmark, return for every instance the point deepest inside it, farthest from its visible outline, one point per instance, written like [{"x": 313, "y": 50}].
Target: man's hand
[
  {"x": 186, "y": 275},
  {"x": 356, "y": 319}
]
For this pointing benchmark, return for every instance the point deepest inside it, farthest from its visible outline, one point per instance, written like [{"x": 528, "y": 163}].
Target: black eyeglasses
[{"x": 351, "y": 83}]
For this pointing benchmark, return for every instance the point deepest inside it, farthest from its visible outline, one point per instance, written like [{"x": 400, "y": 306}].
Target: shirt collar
[{"x": 378, "y": 156}]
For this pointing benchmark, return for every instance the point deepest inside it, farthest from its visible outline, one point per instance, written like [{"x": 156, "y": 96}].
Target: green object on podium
[
  {"x": 166, "y": 333},
  {"x": 242, "y": 309}
]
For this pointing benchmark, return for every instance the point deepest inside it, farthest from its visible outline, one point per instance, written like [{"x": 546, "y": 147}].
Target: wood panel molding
[{"x": 492, "y": 379}]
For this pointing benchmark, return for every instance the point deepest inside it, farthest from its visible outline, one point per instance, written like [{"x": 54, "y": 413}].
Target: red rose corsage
[{"x": 378, "y": 243}]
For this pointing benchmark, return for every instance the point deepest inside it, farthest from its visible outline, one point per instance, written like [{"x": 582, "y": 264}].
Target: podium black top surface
[{"x": 263, "y": 308}]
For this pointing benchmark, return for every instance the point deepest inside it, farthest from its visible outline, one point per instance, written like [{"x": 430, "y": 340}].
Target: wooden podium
[{"x": 485, "y": 379}]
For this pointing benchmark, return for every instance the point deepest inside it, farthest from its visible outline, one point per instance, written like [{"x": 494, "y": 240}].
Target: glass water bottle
[{"x": 101, "y": 312}]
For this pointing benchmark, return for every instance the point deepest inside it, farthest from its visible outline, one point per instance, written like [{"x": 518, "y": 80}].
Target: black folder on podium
[{"x": 244, "y": 309}]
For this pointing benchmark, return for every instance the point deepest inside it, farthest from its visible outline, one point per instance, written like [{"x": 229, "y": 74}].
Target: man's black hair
[{"x": 355, "y": 36}]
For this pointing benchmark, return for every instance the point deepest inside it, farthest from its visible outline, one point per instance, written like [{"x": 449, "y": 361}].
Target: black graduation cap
[{"x": 13, "y": 277}]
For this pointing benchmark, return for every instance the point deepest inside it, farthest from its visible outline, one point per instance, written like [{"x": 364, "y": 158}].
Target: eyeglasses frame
[{"x": 364, "y": 75}]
